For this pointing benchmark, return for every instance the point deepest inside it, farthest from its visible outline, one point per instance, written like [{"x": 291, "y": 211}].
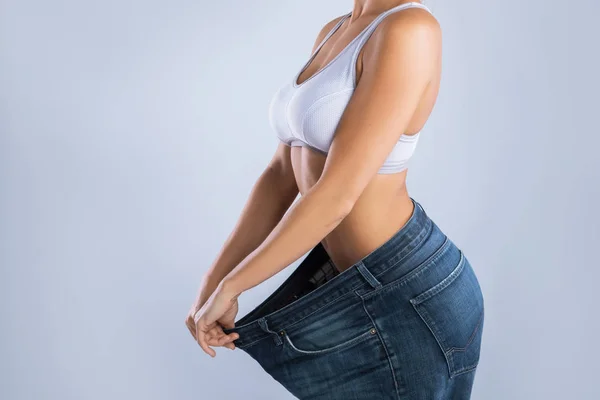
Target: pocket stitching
[
  {"x": 247, "y": 345},
  {"x": 464, "y": 370},
  {"x": 454, "y": 349},
  {"x": 428, "y": 320},
  {"x": 327, "y": 304},
  {"x": 426, "y": 295},
  {"x": 357, "y": 339},
  {"x": 432, "y": 326}
]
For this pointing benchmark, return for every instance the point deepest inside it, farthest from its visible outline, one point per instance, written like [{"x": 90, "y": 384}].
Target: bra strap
[
  {"x": 331, "y": 32},
  {"x": 314, "y": 54}
]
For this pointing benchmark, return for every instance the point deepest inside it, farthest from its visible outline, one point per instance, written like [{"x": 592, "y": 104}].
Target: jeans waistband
[{"x": 390, "y": 254}]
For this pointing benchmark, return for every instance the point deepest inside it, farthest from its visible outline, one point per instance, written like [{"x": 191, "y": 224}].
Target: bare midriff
[{"x": 380, "y": 211}]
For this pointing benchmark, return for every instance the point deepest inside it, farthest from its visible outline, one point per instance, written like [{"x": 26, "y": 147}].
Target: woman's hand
[
  {"x": 216, "y": 335},
  {"x": 219, "y": 311}
]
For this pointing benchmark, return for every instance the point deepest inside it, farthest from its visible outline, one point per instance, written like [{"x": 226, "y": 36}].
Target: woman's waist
[
  {"x": 400, "y": 257},
  {"x": 408, "y": 261},
  {"x": 365, "y": 229}
]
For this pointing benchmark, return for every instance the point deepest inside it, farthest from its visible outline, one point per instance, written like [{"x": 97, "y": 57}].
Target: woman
[{"x": 385, "y": 305}]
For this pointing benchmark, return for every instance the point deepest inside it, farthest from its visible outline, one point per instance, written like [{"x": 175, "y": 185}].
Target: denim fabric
[{"x": 405, "y": 322}]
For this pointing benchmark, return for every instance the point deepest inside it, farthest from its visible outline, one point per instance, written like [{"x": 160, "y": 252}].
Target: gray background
[{"x": 133, "y": 131}]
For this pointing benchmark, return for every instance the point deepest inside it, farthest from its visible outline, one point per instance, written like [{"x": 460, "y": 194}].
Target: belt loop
[
  {"x": 364, "y": 271},
  {"x": 262, "y": 322}
]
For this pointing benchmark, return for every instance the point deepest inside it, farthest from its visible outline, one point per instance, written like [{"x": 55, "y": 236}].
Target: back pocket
[{"x": 453, "y": 310}]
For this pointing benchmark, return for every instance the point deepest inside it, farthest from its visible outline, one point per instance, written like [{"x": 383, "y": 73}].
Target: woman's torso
[{"x": 384, "y": 206}]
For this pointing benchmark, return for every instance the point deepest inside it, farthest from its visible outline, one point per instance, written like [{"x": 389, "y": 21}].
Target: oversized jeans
[{"x": 405, "y": 322}]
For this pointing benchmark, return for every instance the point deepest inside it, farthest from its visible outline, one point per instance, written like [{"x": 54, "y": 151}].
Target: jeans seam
[
  {"x": 431, "y": 326},
  {"x": 413, "y": 250},
  {"x": 245, "y": 346},
  {"x": 464, "y": 370},
  {"x": 387, "y": 354}
]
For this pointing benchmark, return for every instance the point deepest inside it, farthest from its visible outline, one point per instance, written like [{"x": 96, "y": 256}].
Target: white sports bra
[{"x": 307, "y": 114}]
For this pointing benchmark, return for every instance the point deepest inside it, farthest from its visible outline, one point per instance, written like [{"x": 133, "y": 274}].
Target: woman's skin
[{"x": 344, "y": 203}]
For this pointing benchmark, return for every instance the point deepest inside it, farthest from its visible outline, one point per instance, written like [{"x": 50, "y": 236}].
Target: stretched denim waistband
[{"x": 390, "y": 254}]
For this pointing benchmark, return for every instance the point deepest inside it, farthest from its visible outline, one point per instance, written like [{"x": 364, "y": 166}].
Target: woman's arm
[
  {"x": 395, "y": 76},
  {"x": 279, "y": 175},
  {"x": 271, "y": 196},
  {"x": 282, "y": 175}
]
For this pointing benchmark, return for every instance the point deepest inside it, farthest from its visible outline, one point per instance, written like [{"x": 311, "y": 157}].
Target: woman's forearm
[
  {"x": 315, "y": 215},
  {"x": 271, "y": 196}
]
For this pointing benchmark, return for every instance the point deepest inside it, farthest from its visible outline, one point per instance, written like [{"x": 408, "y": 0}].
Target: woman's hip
[{"x": 415, "y": 291}]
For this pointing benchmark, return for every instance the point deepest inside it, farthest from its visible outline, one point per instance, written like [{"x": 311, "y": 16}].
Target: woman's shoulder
[{"x": 410, "y": 19}]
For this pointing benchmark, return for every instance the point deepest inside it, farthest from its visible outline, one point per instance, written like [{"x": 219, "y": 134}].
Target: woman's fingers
[
  {"x": 211, "y": 335},
  {"x": 230, "y": 338},
  {"x": 229, "y": 346},
  {"x": 202, "y": 336},
  {"x": 218, "y": 338},
  {"x": 227, "y": 339}
]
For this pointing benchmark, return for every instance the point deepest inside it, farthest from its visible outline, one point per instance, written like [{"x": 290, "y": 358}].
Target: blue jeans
[{"x": 405, "y": 322}]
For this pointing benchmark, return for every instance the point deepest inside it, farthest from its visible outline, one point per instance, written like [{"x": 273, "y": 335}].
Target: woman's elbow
[
  {"x": 338, "y": 198},
  {"x": 346, "y": 206}
]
